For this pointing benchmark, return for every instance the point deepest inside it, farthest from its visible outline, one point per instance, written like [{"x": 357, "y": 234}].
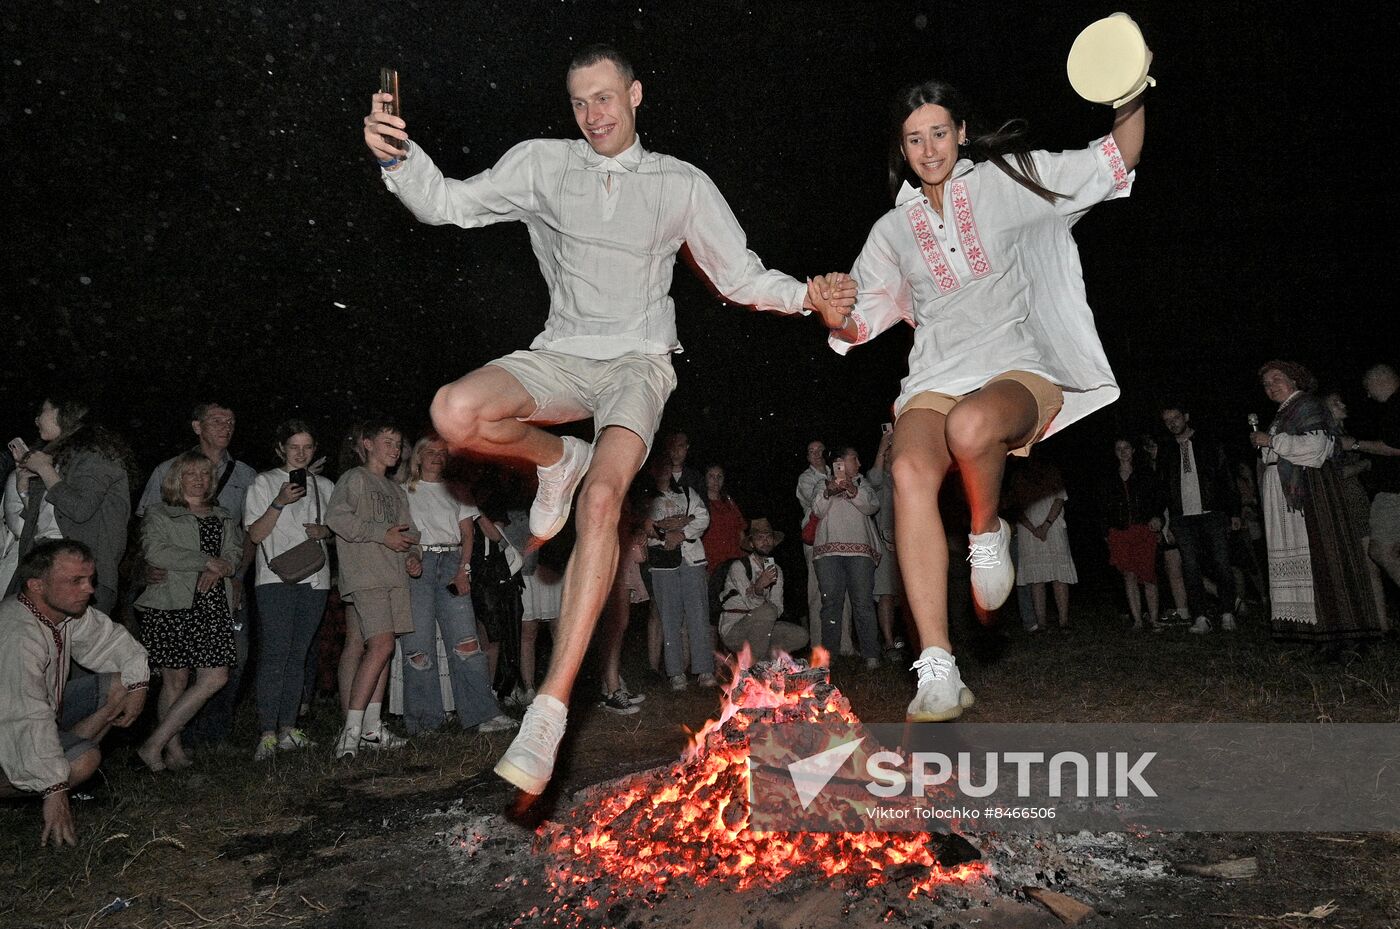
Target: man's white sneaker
[
  {"x": 1201, "y": 627},
  {"x": 349, "y": 742},
  {"x": 993, "y": 574},
  {"x": 383, "y": 740},
  {"x": 555, "y": 496},
  {"x": 529, "y": 762},
  {"x": 942, "y": 695},
  {"x": 1227, "y": 622}
]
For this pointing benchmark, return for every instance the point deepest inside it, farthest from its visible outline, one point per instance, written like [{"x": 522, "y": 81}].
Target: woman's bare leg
[
  {"x": 1062, "y": 601},
  {"x": 1130, "y": 587},
  {"x": 921, "y": 462}
]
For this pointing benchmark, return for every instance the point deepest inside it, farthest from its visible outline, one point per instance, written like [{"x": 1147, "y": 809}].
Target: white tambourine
[{"x": 1108, "y": 61}]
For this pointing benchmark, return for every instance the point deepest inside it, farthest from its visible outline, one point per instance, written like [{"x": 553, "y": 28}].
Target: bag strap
[
  {"x": 315, "y": 489},
  {"x": 223, "y": 479}
]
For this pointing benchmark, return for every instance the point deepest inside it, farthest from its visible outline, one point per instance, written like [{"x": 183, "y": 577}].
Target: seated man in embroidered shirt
[
  {"x": 50, "y": 730},
  {"x": 752, "y": 599},
  {"x": 606, "y": 220}
]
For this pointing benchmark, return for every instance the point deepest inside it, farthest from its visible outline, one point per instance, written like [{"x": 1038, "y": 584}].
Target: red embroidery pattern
[
  {"x": 862, "y": 328},
  {"x": 943, "y": 276},
  {"x": 843, "y": 548},
  {"x": 60, "y": 661},
  {"x": 967, "y": 231},
  {"x": 1109, "y": 148}
]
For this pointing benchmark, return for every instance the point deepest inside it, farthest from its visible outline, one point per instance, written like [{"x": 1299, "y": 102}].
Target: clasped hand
[{"x": 832, "y": 296}]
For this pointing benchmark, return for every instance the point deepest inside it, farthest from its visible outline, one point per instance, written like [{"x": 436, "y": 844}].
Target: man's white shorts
[{"x": 628, "y": 391}]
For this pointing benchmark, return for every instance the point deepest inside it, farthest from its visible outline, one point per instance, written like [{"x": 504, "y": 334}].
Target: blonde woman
[
  {"x": 440, "y": 597},
  {"x": 187, "y": 618}
]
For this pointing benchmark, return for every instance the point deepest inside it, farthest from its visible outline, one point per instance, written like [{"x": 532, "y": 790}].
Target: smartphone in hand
[
  {"x": 454, "y": 590},
  {"x": 389, "y": 84},
  {"x": 18, "y": 448},
  {"x": 297, "y": 478}
]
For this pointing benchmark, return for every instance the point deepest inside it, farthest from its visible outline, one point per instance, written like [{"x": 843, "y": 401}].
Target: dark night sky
[{"x": 193, "y": 211}]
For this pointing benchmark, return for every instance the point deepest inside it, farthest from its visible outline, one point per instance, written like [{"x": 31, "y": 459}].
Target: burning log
[{"x": 689, "y": 821}]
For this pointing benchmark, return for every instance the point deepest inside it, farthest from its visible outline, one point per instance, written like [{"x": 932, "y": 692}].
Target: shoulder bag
[{"x": 304, "y": 559}]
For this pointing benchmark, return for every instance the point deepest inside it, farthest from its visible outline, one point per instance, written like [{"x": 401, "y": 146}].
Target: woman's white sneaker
[
  {"x": 993, "y": 574},
  {"x": 942, "y": 695}
]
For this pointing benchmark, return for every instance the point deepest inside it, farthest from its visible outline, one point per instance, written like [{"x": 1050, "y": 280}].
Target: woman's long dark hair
[
  {"x": 994, "y": 146},
  {"x": 79, "y": 433}
]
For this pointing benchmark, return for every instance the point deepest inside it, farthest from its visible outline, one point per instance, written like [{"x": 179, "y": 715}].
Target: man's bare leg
[
  {"x": 618, "y": 454},
  {"x": 617, "y": 458},
  {"x": 480, "y": 414}
]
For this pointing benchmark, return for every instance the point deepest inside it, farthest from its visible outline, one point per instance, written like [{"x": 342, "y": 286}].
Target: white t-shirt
[
  {"x": 290, "y": 530},
  {"x": 994, "y": 283},
  {"x": 437, "y": 514}
]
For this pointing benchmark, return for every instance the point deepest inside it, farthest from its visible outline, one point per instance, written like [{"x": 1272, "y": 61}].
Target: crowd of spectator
[{"x": 447, "y": 603}]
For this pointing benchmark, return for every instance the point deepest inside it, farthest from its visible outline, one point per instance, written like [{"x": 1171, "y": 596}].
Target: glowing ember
[{"x": 690, "y": 821}]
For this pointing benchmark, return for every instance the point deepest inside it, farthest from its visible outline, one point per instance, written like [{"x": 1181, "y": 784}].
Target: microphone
[{"x": 1253, "y": 422}]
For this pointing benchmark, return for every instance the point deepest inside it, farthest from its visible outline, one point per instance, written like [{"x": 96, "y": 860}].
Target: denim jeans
[
  {"x": 683, "y": 597},
  {"x": 288, "y": 617},
  {"x": 838, "y": 576},
  {"x": 1204, "y": 541},
  {"x": 434, "y": 608}
]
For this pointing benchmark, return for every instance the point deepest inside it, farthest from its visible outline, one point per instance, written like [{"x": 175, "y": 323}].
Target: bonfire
[{"x": 691, "y": 821}]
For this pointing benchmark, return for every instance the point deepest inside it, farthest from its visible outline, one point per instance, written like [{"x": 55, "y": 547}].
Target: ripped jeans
[{"x": 435, "y": 608}]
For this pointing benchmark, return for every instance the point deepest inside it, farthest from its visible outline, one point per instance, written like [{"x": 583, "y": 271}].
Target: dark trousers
[{"x": 1204, "y": 541}]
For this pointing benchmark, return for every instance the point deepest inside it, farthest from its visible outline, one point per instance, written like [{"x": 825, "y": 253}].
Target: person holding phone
[
  {"x": 377, "y": 545},
  {"x": 607, "y": 218},
  {"x": 285, "y": 507},
  {"x": 440, "y": 597},
  {"x": 82, "y": 479},
  {"x": 752, "y": 599},
  {"x": 977, "y": 254},
  {"x": 845, "y": 552}
]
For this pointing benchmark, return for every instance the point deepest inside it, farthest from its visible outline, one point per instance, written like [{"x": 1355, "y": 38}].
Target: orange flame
[{"x": 691, "y": 821}]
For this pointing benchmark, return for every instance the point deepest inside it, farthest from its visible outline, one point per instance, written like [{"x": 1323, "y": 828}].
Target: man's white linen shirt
[
  {"x": 993, "y": 284},
  {"x": 605, "y": 232},
  {"x": 33, "y": 672}
]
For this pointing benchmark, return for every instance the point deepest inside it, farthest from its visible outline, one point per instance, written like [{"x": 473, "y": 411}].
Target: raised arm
[{"x": 1129, "y": 127}]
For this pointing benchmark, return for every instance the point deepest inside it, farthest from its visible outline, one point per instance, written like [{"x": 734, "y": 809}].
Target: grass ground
[{"x": 222, "y": 843}]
